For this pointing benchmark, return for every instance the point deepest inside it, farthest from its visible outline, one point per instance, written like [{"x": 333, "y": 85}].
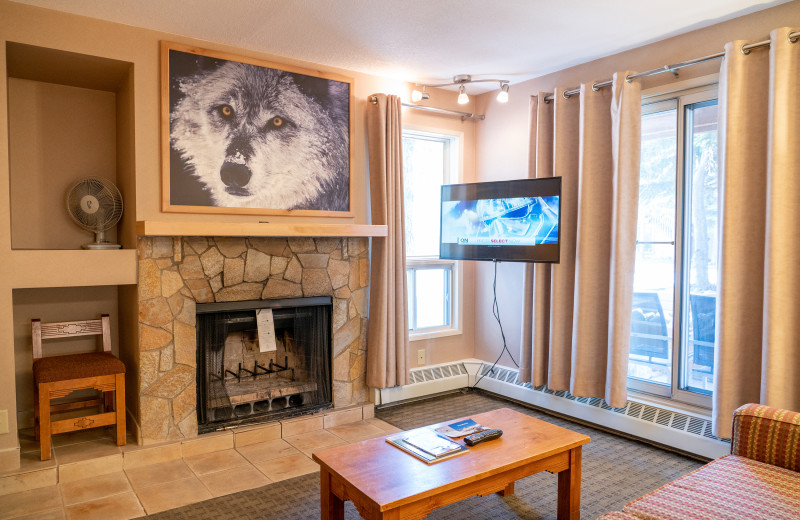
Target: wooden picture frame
[{"x": 241, "y": 135}]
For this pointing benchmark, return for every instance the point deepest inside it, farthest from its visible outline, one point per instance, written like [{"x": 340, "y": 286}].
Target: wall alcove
[{"x": 69, "y": 117}]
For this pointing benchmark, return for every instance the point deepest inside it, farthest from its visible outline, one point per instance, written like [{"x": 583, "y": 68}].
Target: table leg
[
  {"x": 569, "y": 488},
  {"x": 331, "y": 506},
  {"x": 508, "y": 491}
]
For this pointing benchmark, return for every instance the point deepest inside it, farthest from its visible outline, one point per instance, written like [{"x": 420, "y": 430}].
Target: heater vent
[
  {"x": 648, "y": 413},
  {"x": 679, "y": 421},
  {"x": 696, "y": 426},
  {"x": 634, "y": 409}
]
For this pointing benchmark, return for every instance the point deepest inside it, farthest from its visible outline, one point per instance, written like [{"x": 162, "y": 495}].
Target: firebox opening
[{"x": 262, "y": 360}]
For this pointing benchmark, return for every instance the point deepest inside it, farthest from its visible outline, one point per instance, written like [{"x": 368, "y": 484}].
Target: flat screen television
[{"x": 509, "y": 221}]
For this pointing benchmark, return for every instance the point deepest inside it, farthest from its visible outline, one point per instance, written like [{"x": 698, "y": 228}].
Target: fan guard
[{"x": 95, "y": 204}]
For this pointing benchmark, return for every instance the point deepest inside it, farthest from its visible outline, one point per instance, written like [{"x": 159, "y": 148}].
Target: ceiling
[{"x": 423, "y": 40}]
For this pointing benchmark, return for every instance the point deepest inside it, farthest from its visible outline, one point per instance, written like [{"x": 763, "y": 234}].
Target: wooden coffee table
[{"x": 384, "y": 482}]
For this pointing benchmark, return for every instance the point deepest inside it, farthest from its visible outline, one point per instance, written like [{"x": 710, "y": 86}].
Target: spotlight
[
  {"x": 502, "y": 96},
  {"x": 463, "y": 98},
  {"x": 417, "y": 96}
]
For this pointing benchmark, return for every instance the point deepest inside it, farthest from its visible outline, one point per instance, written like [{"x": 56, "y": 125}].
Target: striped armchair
[
  {"x": 760, "y": 479},
  {"x": 768, "y": 435}
]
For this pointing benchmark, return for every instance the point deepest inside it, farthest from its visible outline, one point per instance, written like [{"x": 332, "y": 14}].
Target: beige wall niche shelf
[
  {"x": 71, "y": 268},
  {"x": 256, "y": 229},
  {"x": 69, "y": 117}
]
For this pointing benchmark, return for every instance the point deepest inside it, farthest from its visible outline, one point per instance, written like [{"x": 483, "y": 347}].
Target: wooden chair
[{"x": 58, "y": 376}]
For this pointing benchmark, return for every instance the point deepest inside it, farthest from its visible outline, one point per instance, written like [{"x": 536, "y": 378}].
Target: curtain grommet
[
  {"x": 566, "y": 96},
  {"x": 792, "y": 40},
  {"x": 595, "y": 87},
  {"x": 628, "y": 78},
  {"x": 745, "y": 51}
]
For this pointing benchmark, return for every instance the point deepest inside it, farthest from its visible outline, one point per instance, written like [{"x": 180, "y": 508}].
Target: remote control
[{"x": 485, "y": 435}]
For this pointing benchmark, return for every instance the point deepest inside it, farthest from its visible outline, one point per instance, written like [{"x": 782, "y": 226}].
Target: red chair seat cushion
[{"x": 76, "y": 366}]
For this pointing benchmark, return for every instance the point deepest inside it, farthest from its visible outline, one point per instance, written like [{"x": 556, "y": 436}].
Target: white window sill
[{"x": 432, "y": 334}]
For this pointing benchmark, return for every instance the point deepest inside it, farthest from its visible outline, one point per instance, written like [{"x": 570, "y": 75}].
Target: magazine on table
[
  {"x": 461, "y": 428},
  {"x": 432, "y": 443},
  {"x": 422, "y": 443}
]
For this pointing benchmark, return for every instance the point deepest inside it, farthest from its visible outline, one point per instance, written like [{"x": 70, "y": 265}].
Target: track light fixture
[
  {"x": 461, "y": 80},
  {"x": 502, "y": 96},
  {"x": 417, "y": 96},
  {"x": 463, "y": 98}
]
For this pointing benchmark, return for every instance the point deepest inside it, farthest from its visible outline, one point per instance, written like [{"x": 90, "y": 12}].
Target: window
[
  {"x": 675, "y": 276},
  {"x": 429, "y": 161}
]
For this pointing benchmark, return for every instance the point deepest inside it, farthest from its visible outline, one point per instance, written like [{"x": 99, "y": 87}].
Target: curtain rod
[
  {"x": 793, "y": 37},
  {"x": 464, "y": 115}
]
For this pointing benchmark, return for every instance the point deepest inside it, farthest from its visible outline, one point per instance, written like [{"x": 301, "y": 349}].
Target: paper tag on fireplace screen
[{"x": 266, "y": 330}]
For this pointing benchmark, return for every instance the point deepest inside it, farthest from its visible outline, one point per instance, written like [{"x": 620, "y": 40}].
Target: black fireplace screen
[{"x": 240, "y": 380}]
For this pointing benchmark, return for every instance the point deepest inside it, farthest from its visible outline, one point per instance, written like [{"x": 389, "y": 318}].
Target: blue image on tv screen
[{"x": 517, "y": 221}]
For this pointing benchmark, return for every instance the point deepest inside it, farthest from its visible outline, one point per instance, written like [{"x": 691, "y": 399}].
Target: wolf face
[{"x": 265, "y": 138}]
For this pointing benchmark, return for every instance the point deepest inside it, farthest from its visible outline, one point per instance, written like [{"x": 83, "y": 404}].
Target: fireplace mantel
[{"x": 256, "y": 229}]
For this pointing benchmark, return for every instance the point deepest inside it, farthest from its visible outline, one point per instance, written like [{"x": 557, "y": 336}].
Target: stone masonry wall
[{"x": 175, "y": 273}]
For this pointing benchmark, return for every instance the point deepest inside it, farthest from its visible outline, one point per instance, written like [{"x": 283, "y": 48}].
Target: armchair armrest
[{"x": 767, "y": 434}]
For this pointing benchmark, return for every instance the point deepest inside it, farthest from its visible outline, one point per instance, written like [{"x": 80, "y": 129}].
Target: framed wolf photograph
[{"x": 246, "y": 136}]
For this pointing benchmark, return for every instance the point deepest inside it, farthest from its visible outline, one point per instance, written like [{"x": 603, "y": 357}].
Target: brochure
[
  {"x": 431, "y": 443},
  {"x": 461, "y": 428},
  {"x": 399, "y": 441}
]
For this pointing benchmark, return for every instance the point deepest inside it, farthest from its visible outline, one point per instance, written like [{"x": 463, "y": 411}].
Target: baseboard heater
[{"x": 684, "y": 431}]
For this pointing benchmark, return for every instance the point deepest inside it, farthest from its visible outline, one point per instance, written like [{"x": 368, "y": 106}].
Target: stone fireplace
[
  {"x": 177, "y": 273},
  {"x": 260, "y": 360}
]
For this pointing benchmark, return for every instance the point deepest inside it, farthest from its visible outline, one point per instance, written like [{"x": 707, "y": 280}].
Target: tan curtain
[
  {"x": 577, "y": 315},
  {"x": 536, "y": 335},
  {"x": 387, "y": 339},
  {"x": 757, "y": 356}
]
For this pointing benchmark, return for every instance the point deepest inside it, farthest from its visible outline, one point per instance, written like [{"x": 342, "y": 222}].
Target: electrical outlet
[
  {"x": 3, "y": 421},
  {"x": 421, "y": 356}
]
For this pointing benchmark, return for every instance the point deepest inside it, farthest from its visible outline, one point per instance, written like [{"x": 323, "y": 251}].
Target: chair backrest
[
  {"x": 69, "y": 329},
  {"x": 648, "y": 314},
  {"x": 704, "y": 309},
  {"x": 647, "y": 320}
]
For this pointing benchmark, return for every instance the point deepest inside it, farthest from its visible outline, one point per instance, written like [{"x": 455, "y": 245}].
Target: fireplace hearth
[{"x": 262, "y": 360}]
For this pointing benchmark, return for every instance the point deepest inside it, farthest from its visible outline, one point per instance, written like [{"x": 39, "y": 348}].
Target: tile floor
[{"x": 138, "y": 487}]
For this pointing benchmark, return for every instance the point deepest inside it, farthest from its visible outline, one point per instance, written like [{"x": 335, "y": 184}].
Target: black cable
[{"x": 496, "y": 313}]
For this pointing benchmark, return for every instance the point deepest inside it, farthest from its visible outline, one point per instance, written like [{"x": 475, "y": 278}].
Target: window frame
[
  {"x": 422, "y": 264},
  {"x": 454, "y": 166},
  {"x": 679, "y": 95}
]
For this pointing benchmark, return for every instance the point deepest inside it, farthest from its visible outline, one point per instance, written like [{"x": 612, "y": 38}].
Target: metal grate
[
  {"x": 679, "y": 421},
  {"x": 661, "y": 416},
  {"x": 696, "y": 426},
  {"x": 634, "y": 409},
  {"x": 423, "y": 375},
  {"x": 649, "y": 413}
]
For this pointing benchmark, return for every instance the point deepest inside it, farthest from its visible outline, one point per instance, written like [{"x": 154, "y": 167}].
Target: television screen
[{"x": 515, "y": 221}]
